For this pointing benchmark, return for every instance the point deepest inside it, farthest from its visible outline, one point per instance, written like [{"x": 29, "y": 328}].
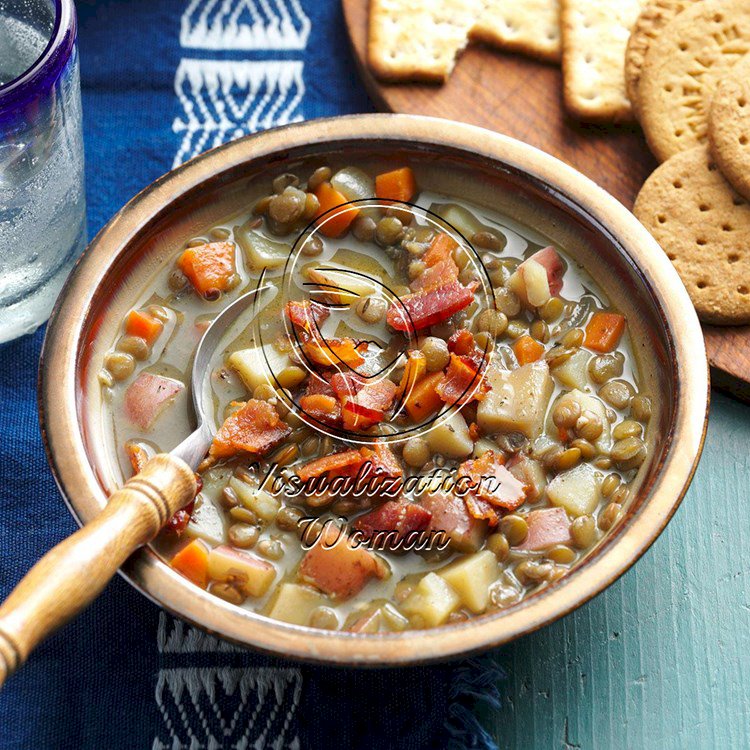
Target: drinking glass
[{"x": 42, "y": 201}]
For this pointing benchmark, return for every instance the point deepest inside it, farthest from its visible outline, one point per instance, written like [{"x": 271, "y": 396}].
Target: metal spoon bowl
[{"x": 72, "y": 574}]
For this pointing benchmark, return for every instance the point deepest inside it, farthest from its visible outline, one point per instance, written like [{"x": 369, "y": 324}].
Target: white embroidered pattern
[
  {"x": 244, "y": 25},
  {"x": 225, "y": 99}
]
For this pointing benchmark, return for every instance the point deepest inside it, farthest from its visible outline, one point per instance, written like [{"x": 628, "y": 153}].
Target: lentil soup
[{"x": 431, "y": 412}]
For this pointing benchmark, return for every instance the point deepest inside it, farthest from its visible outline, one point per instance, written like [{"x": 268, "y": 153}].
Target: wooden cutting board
[{"x": 522, "y": 98}]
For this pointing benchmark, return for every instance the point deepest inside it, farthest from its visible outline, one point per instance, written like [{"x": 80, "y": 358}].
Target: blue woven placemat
[{"x": 162, "y": 81}]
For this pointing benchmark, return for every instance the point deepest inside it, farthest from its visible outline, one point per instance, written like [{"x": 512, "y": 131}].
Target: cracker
[
  {"x": 595, "y": 34},
  {"x": 418, "y": 40},
  {"x": 682, "y": 68},
  {"x": 704, "y": 227},
  {"x": 531, "y": 27},
  {"x": 652, "y": 19},
  {"x": 729, "y": 126}
]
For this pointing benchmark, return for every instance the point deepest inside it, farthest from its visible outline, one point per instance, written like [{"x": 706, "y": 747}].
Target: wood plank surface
[
  {"x": 661, "y": 659},
  {"x": 522, "y": 98}
]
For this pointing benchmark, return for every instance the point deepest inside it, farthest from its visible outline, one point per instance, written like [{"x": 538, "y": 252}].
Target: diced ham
[
  {"x": 337, "y": 567},
  {"x": 547, "y": 528},
  {"x": 396, "y": 516},
  {"x": 147, "y": 396},
  {"x": 414, "y": 312},
  {"x": 255, "y": 428},
  {"x": 450, "y": 515},
  {"x": 530, "y": 473}
]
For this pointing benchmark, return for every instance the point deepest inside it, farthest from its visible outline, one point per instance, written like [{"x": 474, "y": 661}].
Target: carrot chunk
[
  {"x": 192, "y": 562},
  {"x": 335, "y": 223},
  {"x": 209, "y": 267},
  {"x": 254, "y": 428},
  {"x": 527, "y": 350},
  {"x": 424, "y": 400},
  {"x": 398, "y": 185},
  {"x": 143, "y": 325},
  {"x": 604, "y": 331},
  {"x": 441, "y": 248},
  {"x": 332, "y": 352}
]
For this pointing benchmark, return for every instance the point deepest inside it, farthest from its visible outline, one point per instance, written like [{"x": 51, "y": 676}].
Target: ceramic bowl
[{"x": 522, "y": 182}]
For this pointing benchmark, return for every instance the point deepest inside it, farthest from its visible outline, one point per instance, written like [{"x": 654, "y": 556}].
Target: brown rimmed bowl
[{"x": 522, "y": 182}]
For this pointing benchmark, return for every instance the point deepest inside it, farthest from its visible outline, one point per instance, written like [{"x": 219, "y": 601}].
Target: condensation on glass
[{"x": 42, "y": 200}]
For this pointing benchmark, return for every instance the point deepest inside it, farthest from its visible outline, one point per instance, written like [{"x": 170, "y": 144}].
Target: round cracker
[
  {"x": 703, "y": 225},
  {"x": 682, "y": 68},
  {"x": 729, "y": 126},
  {"x": 655, "y": 15}
]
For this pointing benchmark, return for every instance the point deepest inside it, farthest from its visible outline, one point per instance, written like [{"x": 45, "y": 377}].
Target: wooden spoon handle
[{"x": 72, "y": 574}]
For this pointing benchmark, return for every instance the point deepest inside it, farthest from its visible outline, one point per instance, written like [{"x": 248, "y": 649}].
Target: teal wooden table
[{"x": 662, "y": 658}]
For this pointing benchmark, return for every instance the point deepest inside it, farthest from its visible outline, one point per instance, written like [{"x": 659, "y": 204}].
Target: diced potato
[
  {"x": 251, "y": 365},
  {"x": 337, "y": 567},
  {"x": 573, "y": 373},
  {"x": 264, "y": 506},
  {"x": 252, "y": 574},
  {"x": 207, "y": 523},
  {"x": 471, "y": 577},
  {"x": 451, "y": 437},
  {"x": 294, "y": 603},
  {"x": 459, "y": 217},
  {"x": 531, "y": 473},
  {"x": 593, "y": 404},
  {"x": 433, "y": 600},
  {"x": 577, "y": 490},
  {"x": 353, "y": 184},
  {"x": 530, "y": 283},
  {"x": 349, "y": 286},
  {"x": 518, "y": 400},
  {"x": 260, "y": 251}
]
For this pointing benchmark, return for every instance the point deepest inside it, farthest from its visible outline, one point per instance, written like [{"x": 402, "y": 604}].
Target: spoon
[{"x": 72, "y": 574}]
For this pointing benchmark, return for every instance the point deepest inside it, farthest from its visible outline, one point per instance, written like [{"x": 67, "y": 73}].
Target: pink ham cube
[{"x": 546, "y": 529}]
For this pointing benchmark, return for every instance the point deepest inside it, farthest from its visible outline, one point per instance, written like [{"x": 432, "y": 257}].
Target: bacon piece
[
  {"x": 319, "y": 384},
  {"x": 306, "y": 314},
  {"x": 330, "y": 464},
  {"x": 437, "y": 275},
  {"x": 461, "y": 342},
  {"x": 147, "y": 396},
  {"x": 460, "y": 382},
  {"x": 415, "y": 312},
  {"x": 482, "y": 510},
  {"x": 396, "y": 516},
  {"x": 369, "y": 405},
  {"x": 321, "y": 408},
  {"x": 254, "y": 428},
  {"x": 492, "y": 482}
]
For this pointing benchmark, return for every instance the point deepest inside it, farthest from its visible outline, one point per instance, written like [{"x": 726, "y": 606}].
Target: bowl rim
[{"x": 58, "y": 397}]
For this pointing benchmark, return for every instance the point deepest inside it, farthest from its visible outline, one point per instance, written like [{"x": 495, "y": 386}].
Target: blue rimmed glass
[{"x": 42, "y": 200}]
